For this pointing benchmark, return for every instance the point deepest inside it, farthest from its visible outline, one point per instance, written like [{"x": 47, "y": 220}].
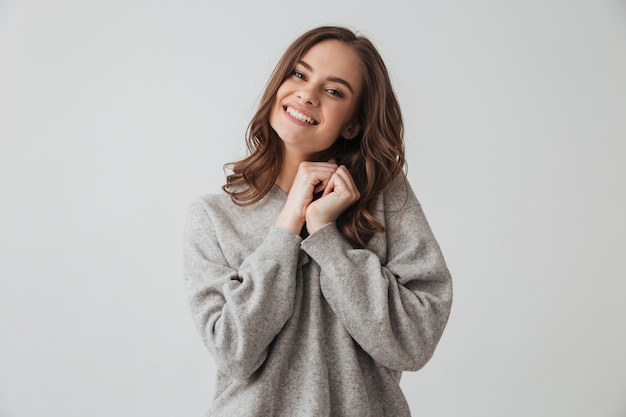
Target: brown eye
[{"x": 334, "y": 92}]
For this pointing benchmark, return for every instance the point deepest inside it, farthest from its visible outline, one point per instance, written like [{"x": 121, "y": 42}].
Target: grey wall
[{"x": 115, "y": 115}]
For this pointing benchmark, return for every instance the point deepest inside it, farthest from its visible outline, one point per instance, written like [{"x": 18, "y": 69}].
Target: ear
[{"x": 351, "y": 131}]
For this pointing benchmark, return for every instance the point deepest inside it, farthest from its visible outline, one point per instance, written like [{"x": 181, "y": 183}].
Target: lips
[{"x": 300, "y": 116}]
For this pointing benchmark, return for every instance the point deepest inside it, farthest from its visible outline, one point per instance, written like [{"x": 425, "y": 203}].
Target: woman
[{"x": 315, "y": 280}]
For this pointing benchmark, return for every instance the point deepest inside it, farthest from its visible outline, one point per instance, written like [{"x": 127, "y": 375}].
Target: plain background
[{"x": 115, "y": 115}]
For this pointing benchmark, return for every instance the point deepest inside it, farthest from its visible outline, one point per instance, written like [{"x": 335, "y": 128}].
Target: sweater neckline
[{"x": 278, "y": 191}]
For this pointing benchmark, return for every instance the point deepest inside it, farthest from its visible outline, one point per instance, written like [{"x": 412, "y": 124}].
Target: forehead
[{"x": 333, "y": 58}]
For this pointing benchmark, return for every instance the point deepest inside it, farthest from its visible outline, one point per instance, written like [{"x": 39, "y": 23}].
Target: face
[{"x": 317, "y": 103}]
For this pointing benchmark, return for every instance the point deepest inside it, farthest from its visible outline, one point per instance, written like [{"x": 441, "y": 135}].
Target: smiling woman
[
  {"x": 317, "y": 103},
  {"x": 315, "y": 279}
]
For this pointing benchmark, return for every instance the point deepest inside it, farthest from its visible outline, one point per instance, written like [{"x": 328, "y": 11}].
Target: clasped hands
[{"x": 338, "y": 193}]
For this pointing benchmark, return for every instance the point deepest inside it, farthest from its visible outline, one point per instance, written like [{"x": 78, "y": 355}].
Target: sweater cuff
[
  {"x": 280, "y": 237},
  {"x": 325, "y": 242}
]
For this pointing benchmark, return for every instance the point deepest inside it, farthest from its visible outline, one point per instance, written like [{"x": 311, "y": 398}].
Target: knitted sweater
[{"x": 313, "y": 327}]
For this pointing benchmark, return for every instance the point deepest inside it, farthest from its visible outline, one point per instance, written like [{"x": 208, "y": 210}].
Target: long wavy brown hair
[{"x": 375, "y": 158}]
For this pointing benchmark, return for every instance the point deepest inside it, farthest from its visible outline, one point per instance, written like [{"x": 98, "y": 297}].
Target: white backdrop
[{"x": 115, "y": 115}]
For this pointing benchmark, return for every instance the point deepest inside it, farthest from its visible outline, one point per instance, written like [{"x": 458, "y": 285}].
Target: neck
[{"x": 289, "y": 169}]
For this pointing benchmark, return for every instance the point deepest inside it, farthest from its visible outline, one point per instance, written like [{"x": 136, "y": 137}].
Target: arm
[
  {"x": 397, "y": 311},
  {"x": 238, "y": 310}
]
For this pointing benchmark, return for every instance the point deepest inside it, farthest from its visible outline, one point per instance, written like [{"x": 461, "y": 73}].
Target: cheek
[
  {"x": 343, "y": 115},
  {"x": 283, "y": 90},
  {"x": 278, "y": 97}
]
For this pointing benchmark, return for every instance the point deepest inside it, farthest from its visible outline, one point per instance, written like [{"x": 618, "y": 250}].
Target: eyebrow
[{"x": 334, "y": 79}]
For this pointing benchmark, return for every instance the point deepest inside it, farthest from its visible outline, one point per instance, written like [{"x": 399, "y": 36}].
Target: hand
[
  {"x": 311, "y": 178},
  {"x": 340, "y": 193}
]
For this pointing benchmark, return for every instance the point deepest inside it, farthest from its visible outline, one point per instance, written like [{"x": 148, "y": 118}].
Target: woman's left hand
[{"x": 340, "y": 193}]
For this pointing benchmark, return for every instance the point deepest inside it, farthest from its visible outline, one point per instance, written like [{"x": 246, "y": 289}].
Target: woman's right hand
[{"x": 310, "y": 179}]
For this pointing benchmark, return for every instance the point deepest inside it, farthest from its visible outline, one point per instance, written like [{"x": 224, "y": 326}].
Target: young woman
[{"x": 315, "y": 280}]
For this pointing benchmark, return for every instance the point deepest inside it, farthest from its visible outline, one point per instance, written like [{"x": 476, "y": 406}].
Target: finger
[
  {"x": 345, "y": 182},
  {"x": 344, "y": 179},
  {"x": 309, "y": 164},
  {"x": 313, "y": 179},
  {"x": 316, "y": 168},
  {"x": 321, "y": 186},
  {"x": 330, "y": 187},
  {"x": 315, "y": 174}
]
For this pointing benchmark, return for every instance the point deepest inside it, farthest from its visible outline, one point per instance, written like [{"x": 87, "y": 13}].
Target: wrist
[
  {"x": 290, "y": 222},
  {"x": 313, "y": 226}
]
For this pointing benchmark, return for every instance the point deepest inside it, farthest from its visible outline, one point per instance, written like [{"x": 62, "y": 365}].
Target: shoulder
[
  {"x": 203, "y": 209},
  {"x": 211, "y": 211},
  {"x": 399, "y": 195},
  {"x": 207, "y": 201}
]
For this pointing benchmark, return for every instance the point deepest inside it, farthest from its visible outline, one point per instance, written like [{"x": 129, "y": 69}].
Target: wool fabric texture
[{"x": 313, "y": 327}]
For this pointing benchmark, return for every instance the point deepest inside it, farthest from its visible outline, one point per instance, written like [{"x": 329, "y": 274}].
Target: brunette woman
[{"x": 315, "y": 280}]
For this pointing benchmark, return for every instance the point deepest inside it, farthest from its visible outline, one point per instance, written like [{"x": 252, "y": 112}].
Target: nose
[{"x": 307, "y": 95}]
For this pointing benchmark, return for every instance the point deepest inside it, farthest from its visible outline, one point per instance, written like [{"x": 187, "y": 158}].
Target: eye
[
  {"x": 334, "y": 92},
  {"x": 298, "y": 74}
]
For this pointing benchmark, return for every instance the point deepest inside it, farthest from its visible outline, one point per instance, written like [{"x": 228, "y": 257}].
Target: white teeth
[{"x": 299, "y": 116}]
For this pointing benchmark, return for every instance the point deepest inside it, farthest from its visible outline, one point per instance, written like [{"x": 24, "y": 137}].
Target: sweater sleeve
[
  {"x": 238, "y": 310},
  {"x": 395, "y": 311}
]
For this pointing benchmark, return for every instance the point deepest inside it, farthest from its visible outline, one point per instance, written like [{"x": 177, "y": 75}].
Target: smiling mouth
[{"x": 299, "y": 116}]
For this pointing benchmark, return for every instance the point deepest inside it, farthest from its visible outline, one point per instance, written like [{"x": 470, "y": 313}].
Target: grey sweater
[{"x": 313, "y": 327}]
